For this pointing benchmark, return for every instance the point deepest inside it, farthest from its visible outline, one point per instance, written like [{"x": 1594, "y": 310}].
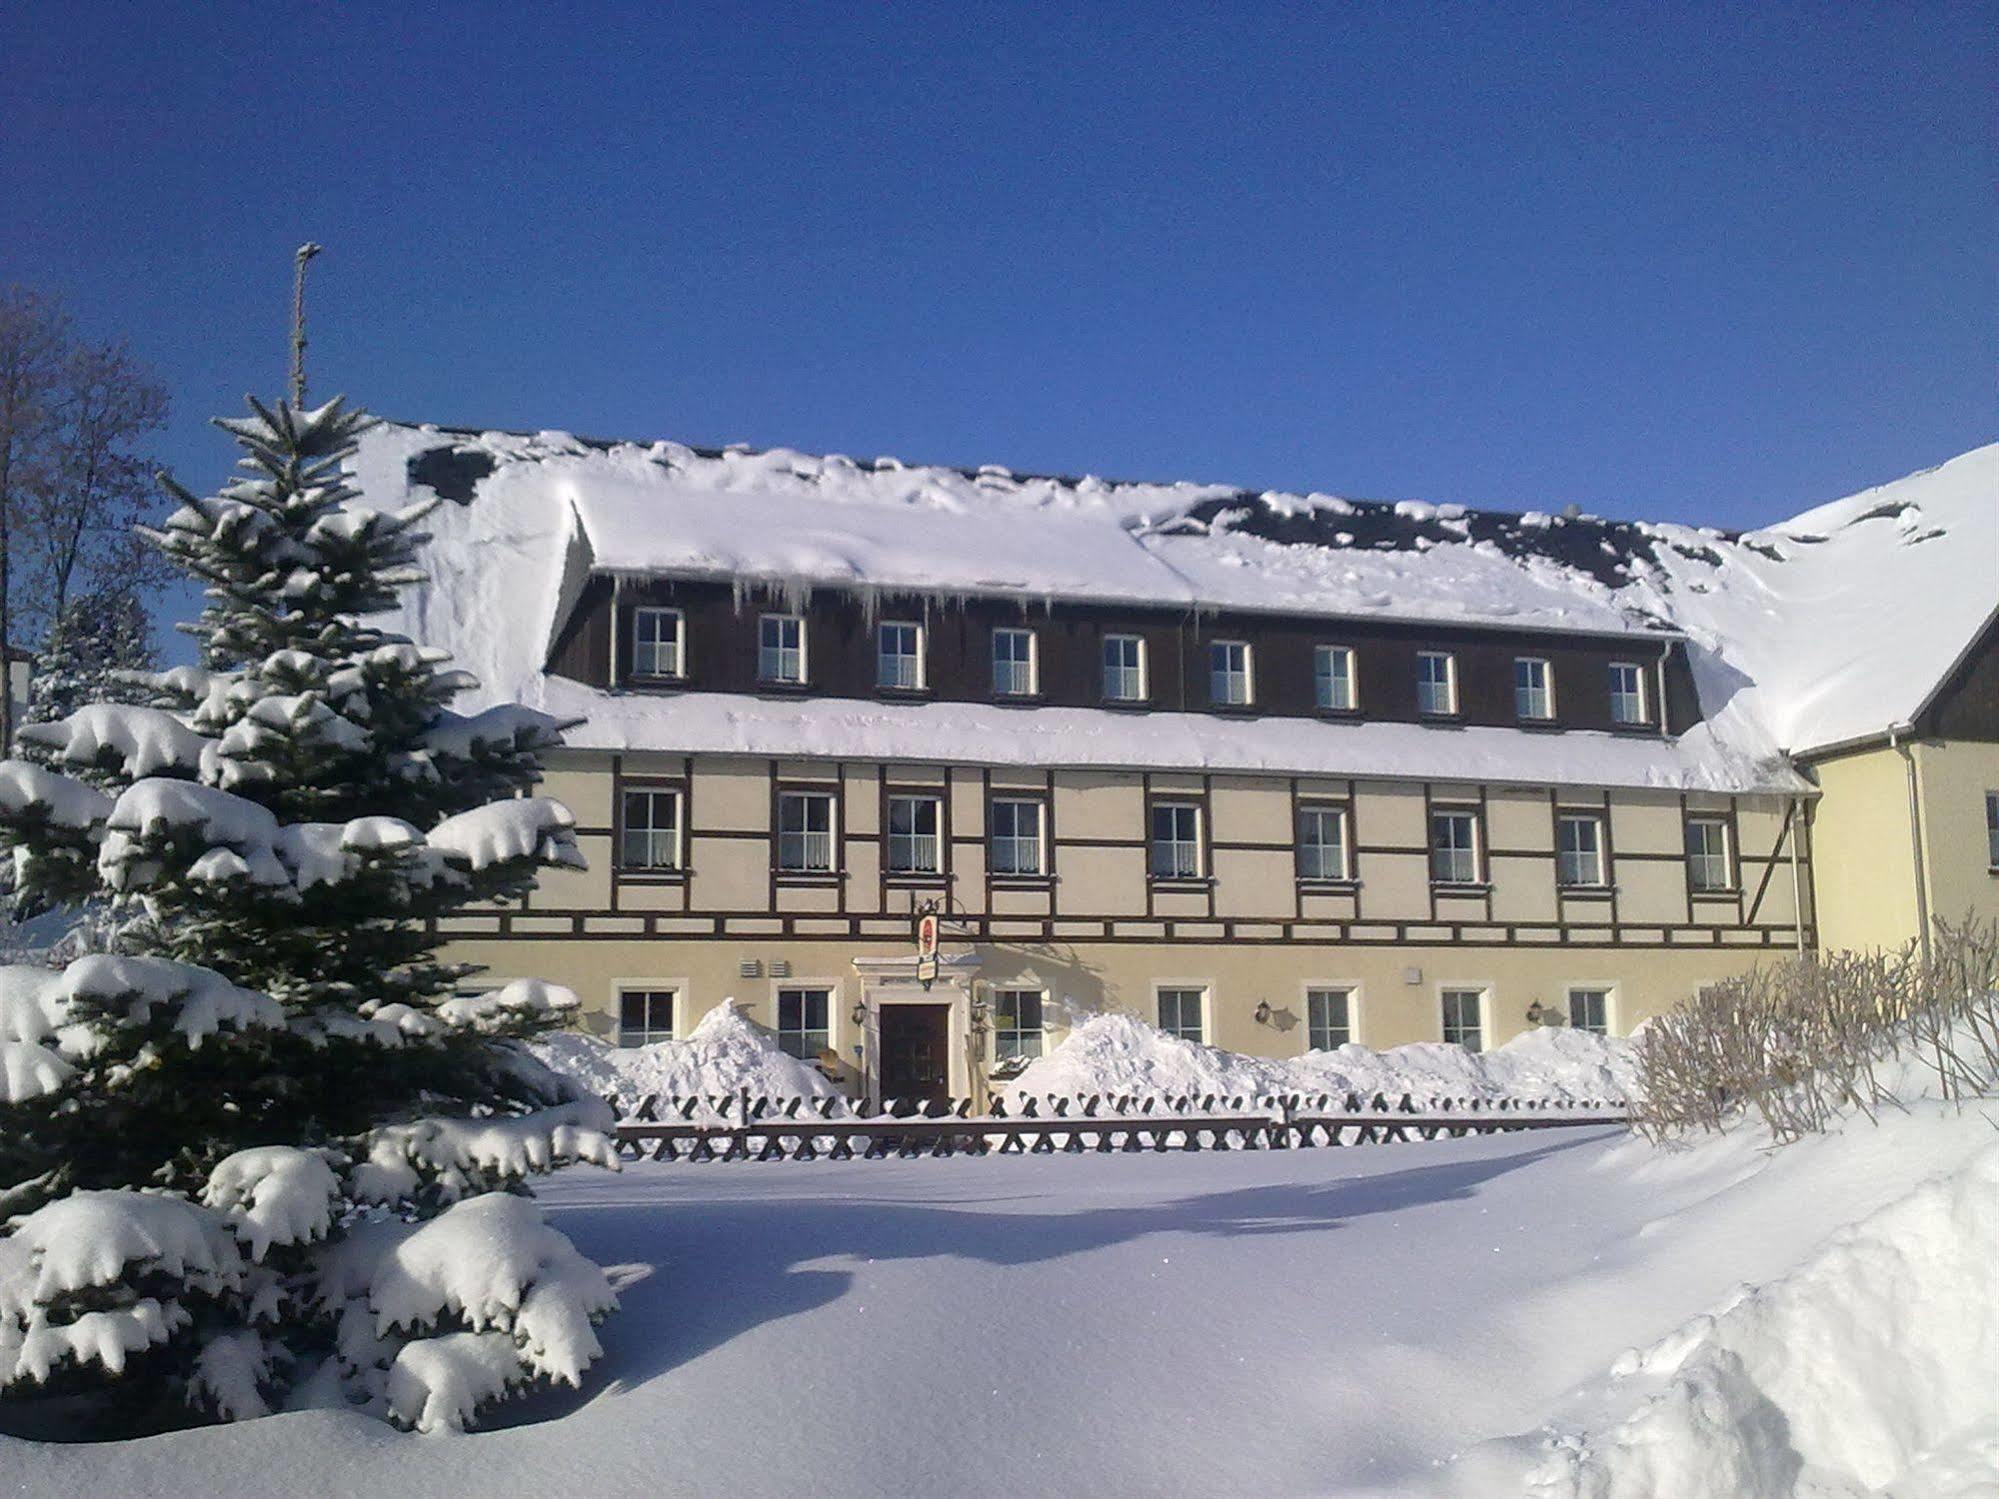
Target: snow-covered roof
[{"x": 1811, "y": 633}]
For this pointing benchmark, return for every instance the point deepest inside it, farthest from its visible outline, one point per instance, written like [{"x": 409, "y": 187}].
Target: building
[{"x": 1273, "y": 771}]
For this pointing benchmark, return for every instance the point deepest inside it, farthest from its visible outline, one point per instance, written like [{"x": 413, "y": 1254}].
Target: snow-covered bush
[
  {"x": 1120, "y": 1055},
  {"x": 260, "y": 1153},
  {"x": 1804, "y": 1041},
  {"x": 725, "y": 1054}
]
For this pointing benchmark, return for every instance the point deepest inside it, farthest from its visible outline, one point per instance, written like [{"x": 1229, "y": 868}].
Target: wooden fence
[{"x": 737, "y": 1127}]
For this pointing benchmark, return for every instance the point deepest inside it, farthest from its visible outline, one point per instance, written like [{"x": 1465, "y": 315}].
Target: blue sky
[{"x": 1700, "y": 263}]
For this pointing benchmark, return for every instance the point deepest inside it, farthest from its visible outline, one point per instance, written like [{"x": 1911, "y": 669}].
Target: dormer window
[
  {"x": 1533, "y": 689},
  {"x": 1124, "y": 669},
  {"x": 1627, "y": 693},
  {"x": 1333, "y": 678},
  {"x": 1229, "y": 681},
  {"x": 781, "y": 649},
  {"x": 899, "y": 657},
  {"x": 1436, "y": 683},
  {"x": 1014, "y": 664},
  {"x": 657, "y": 642}
]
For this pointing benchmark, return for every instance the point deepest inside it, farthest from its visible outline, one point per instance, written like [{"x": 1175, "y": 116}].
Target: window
[
  {"x": 899, "y": 657},
  {"x": 644, "y": 1016},
  {"x": 1180, "y": 1013},
  {"x": 913, "y": 844},
  {"x": 1579, "y": 849},
  {"x": 1124, "y": 669},
  {"x": 1015, "y": 836},
  {"x": 805, "y": 831},
  {"x": 1533, "y": 688},
  {"x": 1328, "y": 1018},
  {"x": 1627, "y": 692},
  {"x": 1322, "y": 843},
  {"x": 802, "y": 1026},
  {"x": 1176, "y": 841},
  {"x": 651, "y": 835},
  {"x": 656, "y": 642},
  {"x": 1589, "y": 1010},
  {"x": 1992, "y": 830},
  {"x": 781, "y": 648},
  {"x": 1454, "y": 848},
  {"x": 1463, "y": 1018},
  {"x": 1014, "y": 673},
  {"x": 1016, "y": 1023},
  {"x": 1707, "y": 854},
  {"x": 1228, "y": 673},
  {"x": 1436, "y": 683},
  {"x": 1332, "y": 678}
]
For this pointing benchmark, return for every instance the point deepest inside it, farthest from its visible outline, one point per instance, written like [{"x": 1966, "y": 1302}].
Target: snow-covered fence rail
[{"x": 737, "y": 1127}]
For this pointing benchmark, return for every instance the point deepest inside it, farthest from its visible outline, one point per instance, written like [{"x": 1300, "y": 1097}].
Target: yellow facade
[{"x": 1099, "y": 933}]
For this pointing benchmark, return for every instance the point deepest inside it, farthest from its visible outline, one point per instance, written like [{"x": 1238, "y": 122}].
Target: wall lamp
[{"x": 1263, "y": 1012}]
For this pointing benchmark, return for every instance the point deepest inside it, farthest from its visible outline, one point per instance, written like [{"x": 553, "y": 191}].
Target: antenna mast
[{"x": 305, "y": 252}]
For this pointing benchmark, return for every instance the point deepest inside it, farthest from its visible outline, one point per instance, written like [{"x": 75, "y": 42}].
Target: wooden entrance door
[{"x": 915, "y": 1051}]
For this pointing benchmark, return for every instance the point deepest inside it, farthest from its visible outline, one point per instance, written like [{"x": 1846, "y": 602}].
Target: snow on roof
[
  {"x": 1813, "y": 632},
  {"x": 1833, "y": 625}
]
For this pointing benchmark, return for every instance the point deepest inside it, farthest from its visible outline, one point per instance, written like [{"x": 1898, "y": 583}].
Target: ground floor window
[
  {"x": 1180, "y": 1013},
  {"x": 1464, "y": 1018},
  {"x": 803, "y": 1028},
  {"x": 1589, "y": 1010},
  {"x": 644, "y": 1016},
  {"x": 1016, "y": 1023},
  {"x": 1329, "y": 1017}
]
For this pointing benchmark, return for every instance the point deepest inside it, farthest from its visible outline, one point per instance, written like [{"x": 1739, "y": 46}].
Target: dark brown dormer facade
[{"x": 719, "y": 633}]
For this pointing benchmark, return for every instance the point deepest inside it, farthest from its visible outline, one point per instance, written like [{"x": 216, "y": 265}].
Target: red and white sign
[{"x": 926, "y": 937}]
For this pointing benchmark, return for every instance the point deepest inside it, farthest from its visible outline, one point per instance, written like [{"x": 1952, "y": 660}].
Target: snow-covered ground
[{"x": 1255, "y": 1324}]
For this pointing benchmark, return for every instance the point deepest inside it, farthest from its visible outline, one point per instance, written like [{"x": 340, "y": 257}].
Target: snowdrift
[
  {"x": 726, "y": 1053},
  {"x": 1868, "y": 1368},
  {"x": 1121, "y": 1055}
]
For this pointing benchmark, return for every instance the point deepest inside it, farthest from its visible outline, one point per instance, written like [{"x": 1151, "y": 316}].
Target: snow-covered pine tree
[
  {"x": 96, "y": 649},
  {"x": 263, "y": 1154}
]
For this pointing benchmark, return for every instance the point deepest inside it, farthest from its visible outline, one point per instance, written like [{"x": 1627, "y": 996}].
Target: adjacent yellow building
[{"x": 1275, "y": 772}]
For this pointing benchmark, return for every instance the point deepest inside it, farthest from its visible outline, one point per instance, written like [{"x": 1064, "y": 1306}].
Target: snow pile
[
  {"x": 1869, "y": 1368},
  {"x": 726, "y": 1053},
  {"x": 1116, "y": 1055}
]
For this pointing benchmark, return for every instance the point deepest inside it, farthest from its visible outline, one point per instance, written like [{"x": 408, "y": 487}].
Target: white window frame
[
  {"x": 1325, "y": 680},
  {"x": 1231, "y": 671},
  {"x": 1183, "y": 855},
  {"x": 1030, "y": 666},
  {"x": 1183, "y": 986},
  {"x": 677, "y": 842},
  {"x": 651, "y": 989},
  {"x": 1018, "y": 1040},
  {"x": 1139, "y": 670},
  {"x": 1696, "y": 862},
  {"x": 1640, "y": 713},
  {"x": 805, "y": 838},
  {"x": 644, "y": 665},
  {"x": 772, "y": 660},
  {"x": 1351, "y": 995},
  {"x": 913, "y": 663},
  {"x": 914, "y": 839},
  {"x": 1425, "y": 687},
  {"x": 1609, "y": 993},
  {"x": 1338, "y": 814},
  {"x": 1016, "y": 841},
  {"x": 830, "y": 1031},
  {"x": 1481, "y": 995},
  {"x": 1570, "y": 872},
  {"x": 1534, "y": 701},
  {"x": 1470, "y": 852}
]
